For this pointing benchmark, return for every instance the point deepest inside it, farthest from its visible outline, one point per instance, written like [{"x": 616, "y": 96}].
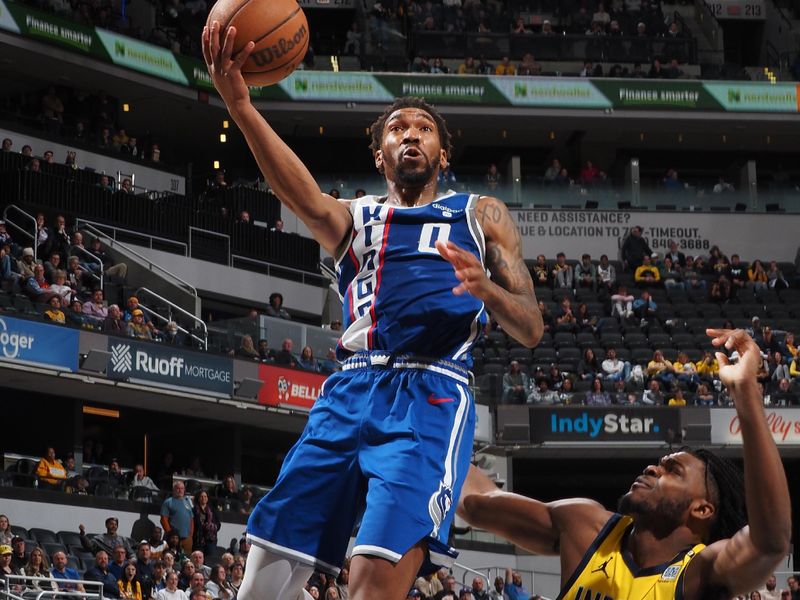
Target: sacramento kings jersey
[{"x": 397, "y": 290}]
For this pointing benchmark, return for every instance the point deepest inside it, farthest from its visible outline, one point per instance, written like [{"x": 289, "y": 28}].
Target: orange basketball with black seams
[{"x": 279, "y": 29}]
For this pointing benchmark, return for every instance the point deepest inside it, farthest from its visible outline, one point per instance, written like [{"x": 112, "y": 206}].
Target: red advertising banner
[{"x": 289, "y": 386}]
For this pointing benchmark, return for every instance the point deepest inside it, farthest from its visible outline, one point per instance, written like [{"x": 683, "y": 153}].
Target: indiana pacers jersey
[
  {"x": 397, "y": 290},
  {"x": 607, "y": 572}
]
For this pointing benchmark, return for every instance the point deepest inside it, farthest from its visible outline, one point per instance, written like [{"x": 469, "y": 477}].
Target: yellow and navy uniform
[{"x": 607, "y": 570}]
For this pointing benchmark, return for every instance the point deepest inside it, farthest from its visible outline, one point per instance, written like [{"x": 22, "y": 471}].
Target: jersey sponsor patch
[{"x": 671, "y": 573}]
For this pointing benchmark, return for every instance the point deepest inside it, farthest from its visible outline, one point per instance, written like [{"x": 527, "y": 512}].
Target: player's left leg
[{"x": 372, "y": 577}]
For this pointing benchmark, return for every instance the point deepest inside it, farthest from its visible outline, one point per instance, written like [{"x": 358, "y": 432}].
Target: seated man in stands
[
  {"x": 106, "y": 541},
  {"x": 114, "y": 323},
  {"x": 54, "y": 314},
  {"x": 119, "y": 559},
  {"x": 117, "y": 271},
  {"x": 515, "y": 385},
  {"x": 275, "y": 307},
  {"x": 586, "y": 273},
  {"x": 36, "y": 287},
  {"x": 174, "y": 336},
  {"x": 52, "y": 266},
  {"x": 50, "y": 471},
  {"x": 64, "y": 574},
  {"x": 95, "y": 309},
  {"x": 100, "y": 572},
  {"x": 540, "y": 273},
  {"x": 60, "y": 287},
  {"x": 19, "y": 558},
  {"x": 78, "y": 277},
  {"x": 285, "y": 356},
  {"x": 644, "y": 307},
  {"x": 562, "y": 273},
  {"x": 615, "y": 369},
  {"x": 647, "y": 273},
  {"x": 265, "y": 353}
]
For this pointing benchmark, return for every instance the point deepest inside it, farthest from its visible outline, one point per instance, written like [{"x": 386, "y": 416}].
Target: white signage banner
[
  {"x": 784, "y": 423},
  {"x": 767, "y": 236},
  {"x": 484, "y": 426}
]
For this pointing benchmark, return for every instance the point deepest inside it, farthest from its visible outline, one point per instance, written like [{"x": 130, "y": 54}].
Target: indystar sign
[
  {"x": 170, "y": 365},
  {"x": 572, "y": 424}
]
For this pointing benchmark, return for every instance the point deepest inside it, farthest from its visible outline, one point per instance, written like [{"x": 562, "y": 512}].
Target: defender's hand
[
  {"x": 469, "y": 271},
  {"x": 745, "y": 371},
  {"x": 226, "y": 70}
]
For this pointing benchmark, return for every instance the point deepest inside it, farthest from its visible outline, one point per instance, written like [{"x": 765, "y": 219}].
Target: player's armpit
[
  {"x": 329, "y": 221},
  {"x": 516, "y": 309}
]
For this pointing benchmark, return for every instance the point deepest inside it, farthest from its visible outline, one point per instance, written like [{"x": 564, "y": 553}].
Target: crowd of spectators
[
  {"x": 634, "y": 332},
  {"x": 77, "y": 117}
]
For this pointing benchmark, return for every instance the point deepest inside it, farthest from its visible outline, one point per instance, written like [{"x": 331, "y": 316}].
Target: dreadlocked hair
[
  {"x": 726, "y": 491},
  {"x": 376, "y": 129}
]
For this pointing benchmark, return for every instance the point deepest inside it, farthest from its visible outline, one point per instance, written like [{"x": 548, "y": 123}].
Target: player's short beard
[
  {"x": 412, "y": 177},
  {"x": 664, "y": 517}
]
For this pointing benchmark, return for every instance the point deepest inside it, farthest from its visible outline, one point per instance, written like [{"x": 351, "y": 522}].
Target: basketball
[{"x": 278, "y": 28}]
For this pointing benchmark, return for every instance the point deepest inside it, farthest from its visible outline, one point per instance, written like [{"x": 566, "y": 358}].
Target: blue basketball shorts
[{"x": 390, "y": 440}]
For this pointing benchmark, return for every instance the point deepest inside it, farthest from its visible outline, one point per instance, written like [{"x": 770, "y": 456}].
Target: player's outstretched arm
[
  {"x": 328, "y": 220},
  {"x": 564, "y": 526},
  {"x": 509, "y": 293},
  {"x": 744, "y": 562}
]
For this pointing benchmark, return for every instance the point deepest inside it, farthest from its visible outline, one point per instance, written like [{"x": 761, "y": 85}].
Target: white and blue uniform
[{"x": 391, "y": 434}]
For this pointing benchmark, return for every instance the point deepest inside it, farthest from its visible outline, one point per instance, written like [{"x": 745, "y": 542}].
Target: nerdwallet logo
[
  {"x": 11, "y": 342},
  {"x": 121, "y": 358},
  {"x": 610, "y": 423}
]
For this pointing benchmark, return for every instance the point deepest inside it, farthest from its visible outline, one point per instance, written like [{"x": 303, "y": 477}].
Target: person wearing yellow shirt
[
  {"x": 757, "y": 276},
  {"x": 678, "y": 399},
  {"x": 661, "y": 369},
  {"x": 505, "y": 68},
  {"x": 686, "y": 371},
  {"x": 129, "y": 587},
  {"x": 788, "y": 348},
  {"x": 708, "y": 367},
  {"x": 646, "y": 273},
  {"x": 54, "y": 313},
  {"x": 793, "y": 369},
  {"x": 50, "y": 471}
]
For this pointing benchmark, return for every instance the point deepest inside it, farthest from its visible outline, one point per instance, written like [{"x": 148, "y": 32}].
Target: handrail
[
  {"x": 22, "y": 580},
  {"x": 468, "y": 570},
  {"x": 174, "y": 306},
  {"x": 91, "y": 227},
  {"x": 114, "y": 229},
  {"x": 97, "y": 260},
  {"x": 269, "y": 265},
  {"x": 30, "y": 235},
  {"x": 211, "y": 233}
]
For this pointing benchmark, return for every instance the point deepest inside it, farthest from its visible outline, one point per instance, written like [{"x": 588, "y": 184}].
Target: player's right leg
[{"x": 270, "y": 576}]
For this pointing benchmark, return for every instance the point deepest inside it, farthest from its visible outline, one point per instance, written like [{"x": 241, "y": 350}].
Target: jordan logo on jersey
[
  {"x": 587, "y": 594},
  {"x": 602, "y": 568}
]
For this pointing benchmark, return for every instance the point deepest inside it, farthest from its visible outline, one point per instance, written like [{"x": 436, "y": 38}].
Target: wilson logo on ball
[{"x": 282, "y": 48}]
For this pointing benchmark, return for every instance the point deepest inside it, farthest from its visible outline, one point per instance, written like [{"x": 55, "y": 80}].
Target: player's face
[
  {"x": 411, "y": 149},
  {"x": 669, "y": 490}
]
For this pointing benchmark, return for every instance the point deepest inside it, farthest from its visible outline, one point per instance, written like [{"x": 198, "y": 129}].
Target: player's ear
[
  {"x": 443, "y": 159},
  {"x": 379, "y": 160},
  {"x": 703, "y": 510}
]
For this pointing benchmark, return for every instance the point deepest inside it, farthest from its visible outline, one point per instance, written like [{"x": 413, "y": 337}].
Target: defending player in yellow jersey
[{"x": 682, "y": 530}]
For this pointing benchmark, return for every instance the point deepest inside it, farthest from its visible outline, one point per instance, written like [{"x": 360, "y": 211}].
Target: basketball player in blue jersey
[
  {"x": 390, "y": 437},
  {"x": 682, "y": 531}
]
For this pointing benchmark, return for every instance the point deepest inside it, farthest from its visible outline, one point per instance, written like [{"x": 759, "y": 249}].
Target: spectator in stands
[
  {"x": 652, "y": 395},
  {"x": 586, "y": 273},
  {"x": 129, "y": 587},
  {"x": 197, "y": 586},
  {"x": 9, "y": 275},
  {"x": 159, "y": 579},
  {"x": 61, "y": 572},
  {"x": 19, "y": 558},
  {"x": 644, "y": 307},
  {"x": 206, "y": 525},
  {"x": 265, "y": 353},
  {"x": 307, "y": 361},
  {"x": 515, "y": 386},
  {"x": 173, "y": 336},
  {"x": 54, "y": 313},
  {"x": 686, "y": 371},
  {"x": 670, "y": 274},
  {"x": 95, "y": 309},
  {"x": 119, "y": 558},
  {"x": 708, "y": 367},
  {"x": 51, "y": 266},
  {"x": 119, "y": 271},
  {"x": 720, "y": 291},
  {"x": 467, "y": 67},
  {"x": 660, "y": 369},
  {"x": 552, "y": 172},
  {"x": 247, "y": 501},
  {"x": 677, "y": 257},
  {"x": 5, "y": 561},
  {"x": 704, "y": 397},
  {"x": 677, "y": 398},
  {"x": 157, "y": 542},
  {"x": 737, "y": 274},
  {"x": 106, "y": 541},
  {"x": 36, "y": 287},
  {"x": 562, "y": 273},
  {"x": 590, "y": 175},
  {"x": 137, "y": 328},
  {"x": 723, "y": 187},
  {"x": 783, "y": 395},
  {"x": 717, "y": 261},
  {"x": 176, "y": 513},
  {"x": 247, "y": 350},
  {"x": 622, "y": 303},
  {"x": 779, "y": 369},
  {"x": 775, "y": 278},
  {"x": 692, "y": 276},
  {"x": 100, "y": 572},
  {"x": 588, "y": 366},
  {"x": 275, "y": 307},
  {"x": 634, "y": 249},
  {"x": 7, "y": 144},
  {"x": 615, "y": 369},
  {"x": 492, "y": 178},
  {"x": 218, "y": 585},
  {"x": 114, "y": 323},
  {"x": 59, "y": 239},
  {"x": 285, "y": 355},
  {"x": 6, "y": 533},
  {"x": 174, "y": 547},
  {"x": 597, "y": 396},
  {"x": 513, "y": 589},
  {"x": 26, "y": 264},
  {"x": 646, "y": 274},
  {"x": 542, "y": 394},
  {"x": 540, "y": 272},
  {"x": 585, "y": 321},
  {"x": 530, "y": 68},
  {"x": 505, "y": 67},
  {"x": 788, "y": 347},
  {"x": 50, "y": 471},
  {"x": 75, "y": 314},
  {"x": 37, "y": 566},
  {"x": 144, "y": 567},
  {"x": 171, "y": 590},
  {"x": 757, "y": 276},
  {"x": 77, "y": 277},
  {"x": 606, "y": 276},
  {"x": 186, "y": 573}
]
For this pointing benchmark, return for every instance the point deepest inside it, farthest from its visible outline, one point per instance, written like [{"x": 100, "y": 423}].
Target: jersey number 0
[{"x": 431, "y": 232}]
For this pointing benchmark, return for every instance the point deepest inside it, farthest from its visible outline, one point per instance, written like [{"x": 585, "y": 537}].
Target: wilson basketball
[{"x": 279, "y": 29}]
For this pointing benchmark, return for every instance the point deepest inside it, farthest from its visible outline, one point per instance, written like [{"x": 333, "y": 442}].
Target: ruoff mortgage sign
[{"x": 169, "y": 365}]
